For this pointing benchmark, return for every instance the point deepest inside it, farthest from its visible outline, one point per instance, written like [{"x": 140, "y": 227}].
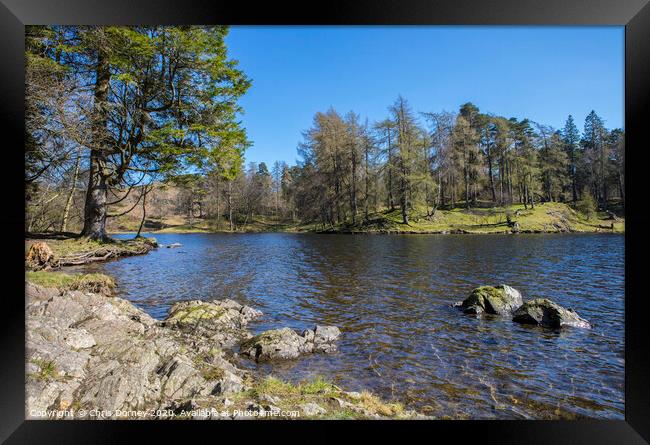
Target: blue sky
[{"x": 543, "y": 73}]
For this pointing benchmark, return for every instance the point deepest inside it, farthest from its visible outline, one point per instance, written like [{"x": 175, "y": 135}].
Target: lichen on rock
[{"x": 223, "y": 322}]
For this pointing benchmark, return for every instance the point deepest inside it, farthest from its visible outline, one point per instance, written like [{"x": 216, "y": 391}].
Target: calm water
[{"x": 391, "y": 297}]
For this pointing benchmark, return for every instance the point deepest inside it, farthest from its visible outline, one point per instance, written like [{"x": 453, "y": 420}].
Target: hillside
[{"x": 168, "y": 212}]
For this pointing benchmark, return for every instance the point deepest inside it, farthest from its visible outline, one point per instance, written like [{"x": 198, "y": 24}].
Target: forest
[{"x": 140, "y": 123}]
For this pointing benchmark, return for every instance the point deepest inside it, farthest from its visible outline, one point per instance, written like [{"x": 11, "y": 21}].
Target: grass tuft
[{"x": 94, "y": 282}]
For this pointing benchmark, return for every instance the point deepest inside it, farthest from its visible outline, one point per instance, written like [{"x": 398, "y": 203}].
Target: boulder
[
  {"x": 223, "y": 322},
  {"x": 40, "y": 257},
  {"x": 546, "y": 313},
  {"x": 285, "y": 343},
  {"x": 499, "y": 300},
  {"x": 275, "y": 344},
  {"x": 323, "y": 338}
]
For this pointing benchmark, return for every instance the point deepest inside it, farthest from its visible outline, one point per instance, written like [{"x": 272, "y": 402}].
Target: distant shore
[{"x": 543, "y": 218}]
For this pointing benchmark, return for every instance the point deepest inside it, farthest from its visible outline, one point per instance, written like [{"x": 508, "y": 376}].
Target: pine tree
[{"x": 571, "y": 140}]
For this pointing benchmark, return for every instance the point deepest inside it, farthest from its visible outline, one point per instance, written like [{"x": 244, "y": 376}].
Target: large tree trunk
[
  {"x": 95, "y": 207},
  {"x": 404, "y": 202}
]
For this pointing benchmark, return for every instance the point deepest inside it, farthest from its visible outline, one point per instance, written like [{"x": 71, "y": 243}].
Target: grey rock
[
  {"x": 546, "y": 313},
  {"x": 326, "y": 334},
  {"x": 220, "y": 322},
  {"x": 275, "y": 344},
  {"x": 285, "y": 343},
  {"x": 230, "y": 383},
  {"x": 499, "y": 300},
  {"x": 79, "y": 339},
  {"x": 102, "y": 353},
  {"x": 311, "y": 409}
]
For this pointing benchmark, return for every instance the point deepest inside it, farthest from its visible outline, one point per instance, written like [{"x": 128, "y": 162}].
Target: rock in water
[
  {"x": 286, "y": 343},
  {"x": 174, "y": 245},
  {"x": 40, "y": 256},
  {"x": 500, "y": 300},
  {"x": 274, "y": 344},
  {"x": 223, "y": 322},
  {"x": 544, "y": 312},
  {"x": 323, "y": 338}
]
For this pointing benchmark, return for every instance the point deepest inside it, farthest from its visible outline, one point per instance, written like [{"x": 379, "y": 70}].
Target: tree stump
[{"x": 40, "y": 257}]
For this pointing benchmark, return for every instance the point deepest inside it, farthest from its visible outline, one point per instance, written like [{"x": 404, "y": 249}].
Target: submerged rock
[
  {"x": 544, "y": 312},
  {"x": 286, "y": 343},
  {"x": 174, "y": 245},
  {"x": 499, "y": 300}
]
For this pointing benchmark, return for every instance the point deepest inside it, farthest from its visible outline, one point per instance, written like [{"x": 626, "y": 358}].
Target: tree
[
  {"x": 277, "y": 174},
  {"x": 386, "y": 137},
  {"x": 597, "y": 156},
  {"x": 442, "y": 156},
  {"x": 616, "y": 141},
  {"x": 465, "y": 152},
  {"x": 163, "y": 98},
  {"x": 407, "y": 141},
  {"x": 553, "y": 163},
  {"x": 571, "y": 140}
]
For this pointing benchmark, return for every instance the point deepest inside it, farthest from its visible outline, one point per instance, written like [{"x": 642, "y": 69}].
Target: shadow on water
[{"x": 391, "y": 297}]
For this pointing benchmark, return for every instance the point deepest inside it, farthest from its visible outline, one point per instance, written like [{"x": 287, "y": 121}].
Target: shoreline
[
  {"x": 550, "y": 217},
  {"x": 90, "y": 351},
  {"x": 251, "y": 394},
  {"x": 389, "y": 232}
]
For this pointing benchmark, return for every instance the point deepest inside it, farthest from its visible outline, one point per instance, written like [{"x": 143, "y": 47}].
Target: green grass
[
  {"x": 95, "y": 282},
  {"x": 75, "y": 246},
  {"x": 318, "y": 390},
  {"x": 548, "y": 217},
  {"x": 47, "y": 370}
]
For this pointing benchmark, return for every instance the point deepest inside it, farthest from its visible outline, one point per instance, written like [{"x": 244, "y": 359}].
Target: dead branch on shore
[{"x": 102, "y": 254}]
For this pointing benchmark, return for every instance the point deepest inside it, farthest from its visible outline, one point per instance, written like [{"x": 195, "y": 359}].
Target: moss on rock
[
  {"x": 184, "y": 313},
  {"x": 499, "y": 300}
]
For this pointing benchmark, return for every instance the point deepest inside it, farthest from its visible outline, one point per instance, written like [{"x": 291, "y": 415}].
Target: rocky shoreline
[{"x": 96, "y": 356}]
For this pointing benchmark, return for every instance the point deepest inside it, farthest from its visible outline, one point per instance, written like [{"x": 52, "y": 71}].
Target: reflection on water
[{"x": 391, "y": 297}]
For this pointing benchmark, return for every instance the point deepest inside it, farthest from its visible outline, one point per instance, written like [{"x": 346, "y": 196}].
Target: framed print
[{"x": 417, "y": 216}]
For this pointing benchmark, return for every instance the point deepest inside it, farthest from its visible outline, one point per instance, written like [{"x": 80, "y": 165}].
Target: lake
[{"x": 391, "y": 297}]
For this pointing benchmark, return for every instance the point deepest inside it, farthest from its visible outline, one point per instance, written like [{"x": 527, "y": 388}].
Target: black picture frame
[{"x": 633, "y": 14}]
